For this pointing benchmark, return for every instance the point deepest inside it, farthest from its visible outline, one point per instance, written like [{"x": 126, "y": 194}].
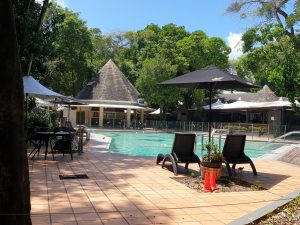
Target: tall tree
[
  {"x": 154, "y": 71},
  {"x": 14, "y": 178},
  {"x": 26, "y": 18},
  {"x": 271, "y": 58},
  {"x": 186, "y": 51},
  {"x": 278, "y": 11},
  {"x": 68, "y": 59},
  {"x": 272, "y": 49},
  {"x": 37, "y": 30}
]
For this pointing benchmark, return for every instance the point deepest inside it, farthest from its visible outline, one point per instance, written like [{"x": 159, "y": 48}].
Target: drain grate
[{"x": 73, "y": 176}]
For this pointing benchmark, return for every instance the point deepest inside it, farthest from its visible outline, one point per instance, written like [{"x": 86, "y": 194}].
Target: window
[
  {"x": 80, "y": 118},
  {"x": 96, "y": 114}
]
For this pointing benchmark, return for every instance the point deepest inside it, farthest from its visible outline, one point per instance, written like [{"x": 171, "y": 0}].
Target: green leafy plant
[
  {"x": 193, "y": 174},
  {"x": 214, "y": 154},
  {"x": 39, "y": 118},
  {"x": 256, "y": 186}
]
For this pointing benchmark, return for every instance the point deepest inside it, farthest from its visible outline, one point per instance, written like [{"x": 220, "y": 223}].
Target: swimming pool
[{"x": 150, "y": 144}]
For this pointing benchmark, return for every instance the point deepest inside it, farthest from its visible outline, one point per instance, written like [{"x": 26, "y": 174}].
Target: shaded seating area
[
  {"x": 35, "y": 139},
  {"x": 61, "y": 140},
  {"x": 62, "y": 143},
  {"x": 233, "y": 153},
  {"x": 182, "y": 152}
]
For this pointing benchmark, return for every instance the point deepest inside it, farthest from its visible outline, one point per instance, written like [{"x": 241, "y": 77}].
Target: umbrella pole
[
  {"x": 209, "y": 115},
  {"x": 69, "y": 108},
  {"x": 80, "y": 144}
]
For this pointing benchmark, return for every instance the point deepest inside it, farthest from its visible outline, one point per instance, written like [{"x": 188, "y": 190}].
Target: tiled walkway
[{"x": 128, "y": 190}]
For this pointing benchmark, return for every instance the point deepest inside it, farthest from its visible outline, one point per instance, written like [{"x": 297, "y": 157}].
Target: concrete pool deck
[{"x": 133, "y": 190}]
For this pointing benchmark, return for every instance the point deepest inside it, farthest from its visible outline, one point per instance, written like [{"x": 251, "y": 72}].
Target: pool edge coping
[{"x": 251, "y": 217}]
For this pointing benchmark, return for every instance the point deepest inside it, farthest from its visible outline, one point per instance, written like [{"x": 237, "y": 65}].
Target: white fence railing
[{"x": 254, "y": 130}]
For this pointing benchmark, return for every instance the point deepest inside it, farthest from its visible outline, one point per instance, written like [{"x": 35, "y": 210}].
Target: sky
[{"x": 125, "y": 15}]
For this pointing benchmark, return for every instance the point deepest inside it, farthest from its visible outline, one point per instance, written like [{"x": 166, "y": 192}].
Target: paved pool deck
[{"x": 134, "y": 190}]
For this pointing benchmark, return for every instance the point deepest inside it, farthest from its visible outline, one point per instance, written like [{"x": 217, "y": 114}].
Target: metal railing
[{"x": 253, "y": 130}]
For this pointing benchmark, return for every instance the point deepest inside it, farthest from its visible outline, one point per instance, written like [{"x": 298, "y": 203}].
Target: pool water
[{"x": 150, "y": 144}]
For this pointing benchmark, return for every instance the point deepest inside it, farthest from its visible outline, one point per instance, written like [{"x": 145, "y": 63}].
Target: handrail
[
  {"x": 284, "y": 136},
  {"x": 206, "y": 135}
]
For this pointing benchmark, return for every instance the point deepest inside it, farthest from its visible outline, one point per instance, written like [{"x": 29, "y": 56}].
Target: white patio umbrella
[
  {"x": 156, "y": 112},
  {"x": 33, "y": 88},
  {"x": 215, "y": 105},
  {"x": 43, "y": 102}
]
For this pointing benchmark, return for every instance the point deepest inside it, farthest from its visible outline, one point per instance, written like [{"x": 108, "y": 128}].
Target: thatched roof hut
[
  {"x": 109, "y": 84},
  {"x": 263, "y": 95}
]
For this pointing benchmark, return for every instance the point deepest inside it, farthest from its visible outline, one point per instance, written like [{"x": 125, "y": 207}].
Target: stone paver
[{"x": 133, "y": 190}]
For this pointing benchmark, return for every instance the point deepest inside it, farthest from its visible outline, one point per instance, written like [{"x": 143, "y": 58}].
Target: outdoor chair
[
  {"x": 62, "y": 144},
  {"x": 182, "y": 152},
  {"x": 35, "y": 140},
  {"x": 233, "y": 152}
]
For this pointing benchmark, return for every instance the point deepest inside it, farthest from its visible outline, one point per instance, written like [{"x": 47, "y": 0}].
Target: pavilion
[{"x": 110, "y": 99}]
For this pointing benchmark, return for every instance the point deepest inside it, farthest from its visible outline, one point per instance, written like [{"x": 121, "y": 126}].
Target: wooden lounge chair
[
  {"x": 233, "y": 152},
  {"x": 182, "y": 152}
]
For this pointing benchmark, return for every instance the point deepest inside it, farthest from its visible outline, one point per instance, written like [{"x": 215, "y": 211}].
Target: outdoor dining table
[{"x": 47, "y": 135}]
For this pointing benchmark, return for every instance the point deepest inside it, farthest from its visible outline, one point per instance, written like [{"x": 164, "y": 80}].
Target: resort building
[
  {"x": 263, "y": 106},
  {"x": 111, "y": 100}
]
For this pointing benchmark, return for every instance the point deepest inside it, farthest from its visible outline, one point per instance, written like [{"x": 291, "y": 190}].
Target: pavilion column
[
  {"x": 101, "y": 116},
  {"x": 128, "y": 117},
  {"x": 142, "y": 115}
]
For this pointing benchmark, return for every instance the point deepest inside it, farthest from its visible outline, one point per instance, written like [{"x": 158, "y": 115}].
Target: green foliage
[
  {"x": 193, "y": 174},
  {"x": 271, "y": 50},
  {"x": 256, "y": 186},
  {"x": 38, "y": 117},
  {"x": 188, "y": 51},
  {"x": 285, "y": 13},
  {"x": 71, "y": 48},
  {"x": 154, "y": 71},
  {"x": 66, "y": 54},
  {"x": 214, "y": 154},
  {"x": 272, "y": 58}
]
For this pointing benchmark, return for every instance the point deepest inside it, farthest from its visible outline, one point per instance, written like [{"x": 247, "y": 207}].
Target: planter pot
[
  {"x": 211, "y": 164},
  {"x": 209, "y": 170}
]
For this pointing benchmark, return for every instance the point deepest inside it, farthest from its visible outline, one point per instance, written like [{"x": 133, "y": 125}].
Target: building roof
[
  {"x": 109, "y": 84},
  {"x": 263, "y": 95}
]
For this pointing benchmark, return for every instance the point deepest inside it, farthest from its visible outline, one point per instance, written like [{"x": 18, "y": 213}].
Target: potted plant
[{"x": 212, "y": 160}]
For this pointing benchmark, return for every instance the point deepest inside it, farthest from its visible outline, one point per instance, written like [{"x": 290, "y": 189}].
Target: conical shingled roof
[
  {"x": 109, "y": 84},
  {"x": 266, "y": 94},
  {"x": 263, "y": 95}
]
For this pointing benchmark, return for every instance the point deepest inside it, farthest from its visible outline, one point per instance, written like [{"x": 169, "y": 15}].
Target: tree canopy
[
  {"x": 65, "y": 53},
  {"x": 271, "y": 51}
]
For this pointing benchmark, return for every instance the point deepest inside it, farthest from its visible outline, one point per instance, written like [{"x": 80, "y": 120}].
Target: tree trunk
[
  {"x": 38, "y": 28},
  {"x": 14, "y": 178}
]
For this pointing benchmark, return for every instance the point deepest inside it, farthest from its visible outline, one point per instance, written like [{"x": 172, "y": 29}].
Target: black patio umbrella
[
  {"x": 68, "y": 101},
  {"x": 209, "y": 78}
]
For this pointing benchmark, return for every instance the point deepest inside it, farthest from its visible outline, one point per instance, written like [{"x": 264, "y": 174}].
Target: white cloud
[
  {"x": 236, "y": 44},
  {"x": 62, "y": 3}
]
